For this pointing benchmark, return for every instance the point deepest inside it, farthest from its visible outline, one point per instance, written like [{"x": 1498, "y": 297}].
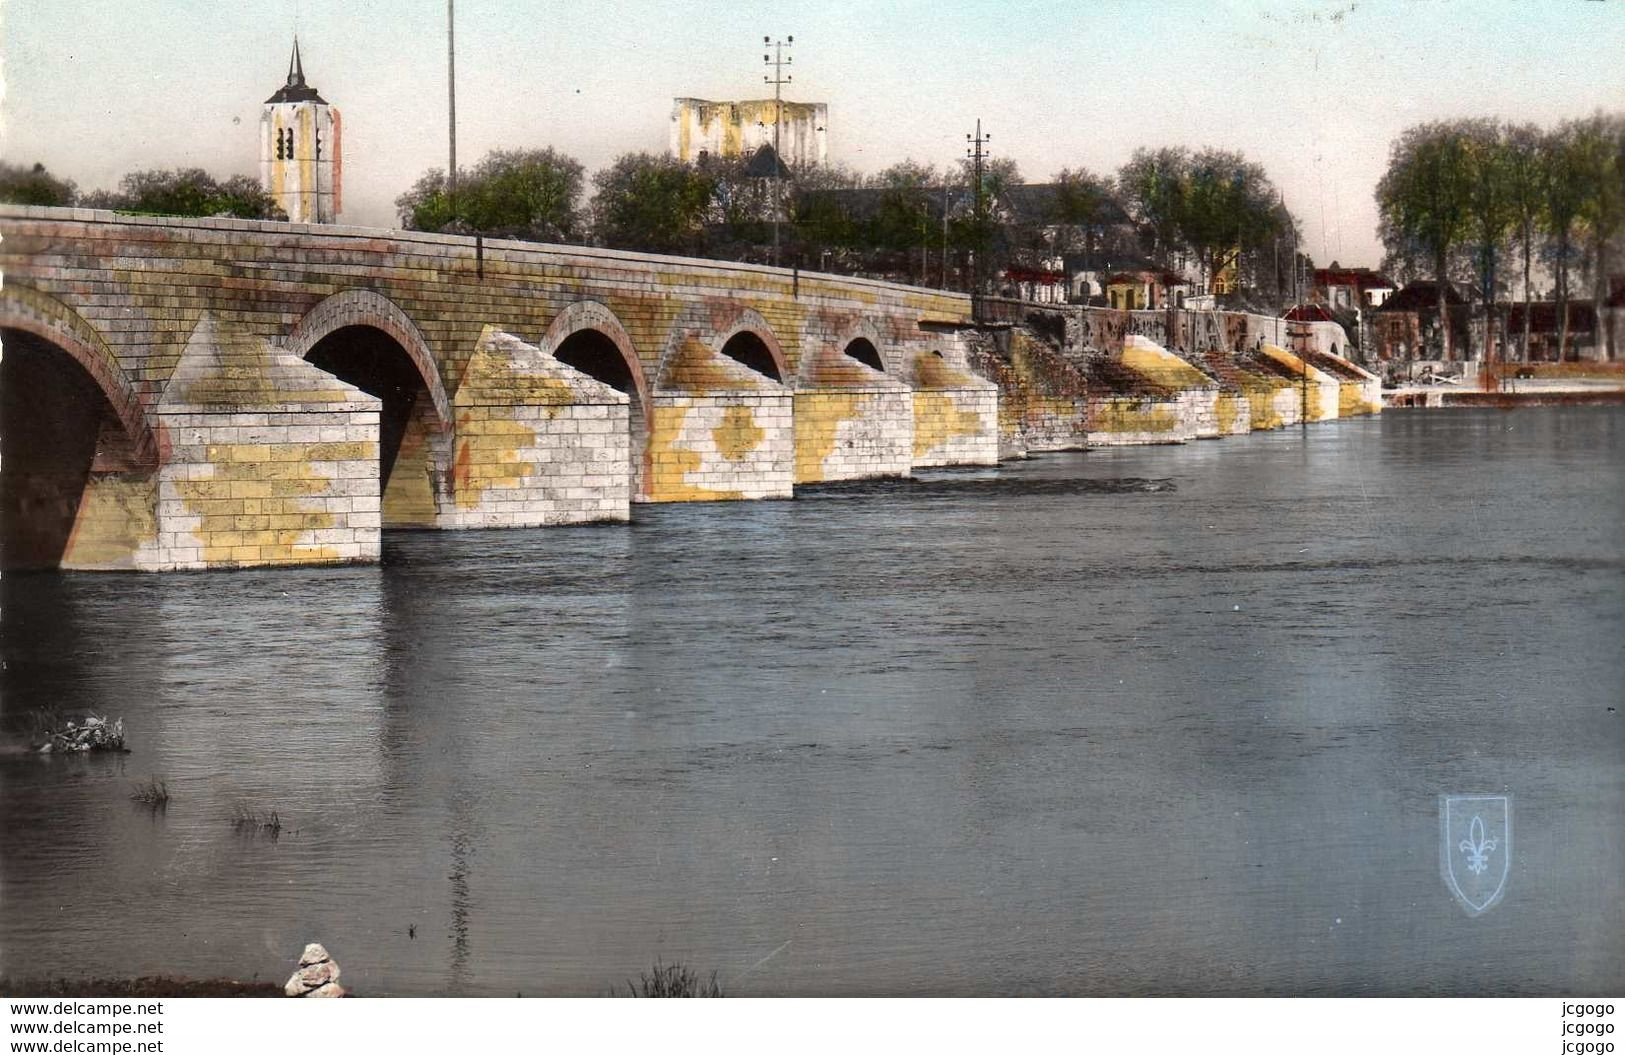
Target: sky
[{"x": 1315, "y": 90}]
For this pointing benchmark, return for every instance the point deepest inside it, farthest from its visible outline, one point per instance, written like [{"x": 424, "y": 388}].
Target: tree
[
  {"x": 1599, "y": 150},
  {"x": 1228, "y": 202},
  {"x": 188, "y": 192},
  {"x": 901, "y": 226},
  {"x": 1081, "y": 202},
  {"x": 1565, "y": 193},
  {"x": 1153, "y": 185},
  {"x": 822, "y": 226},
  {"x": 34, "y": 185},
  {"x": 527, "y": 194},
  {"x": 652, "y": 203},
  {"x": 1489, "y": 209},
  {"x": 1422, "y": 202},
  {"x": 1525, "y": 179}
]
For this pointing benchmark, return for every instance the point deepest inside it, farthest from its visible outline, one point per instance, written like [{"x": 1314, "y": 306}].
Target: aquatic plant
[
  {"x": 154, "y": 792},
  {"x": 673, "y": 980},
  {"x": 252, "y": 821}
]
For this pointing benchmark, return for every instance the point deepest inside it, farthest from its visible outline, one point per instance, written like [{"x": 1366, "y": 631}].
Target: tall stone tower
[{"x": 300, "y": 161}]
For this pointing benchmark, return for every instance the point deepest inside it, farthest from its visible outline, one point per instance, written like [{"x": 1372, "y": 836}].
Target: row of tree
[
  {"x": 1203, "y": 205},
  {"x": 177, "y": 192},
  {"x": 1214, "y": 205},
  {"x": 1460, "y": 199},
  {"x": 903, "y": 221}
]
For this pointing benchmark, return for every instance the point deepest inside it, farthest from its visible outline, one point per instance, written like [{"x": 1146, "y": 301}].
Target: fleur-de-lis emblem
[{"x": 1478, "y": 846}]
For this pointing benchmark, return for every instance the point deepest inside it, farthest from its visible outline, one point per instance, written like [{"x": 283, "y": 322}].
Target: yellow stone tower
[{"x": 301, "y": 165}]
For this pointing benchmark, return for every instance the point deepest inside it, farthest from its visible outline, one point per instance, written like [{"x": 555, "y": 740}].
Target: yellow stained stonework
[
  {"x": 1162, "y": 366},
  {"x": 938, "y": 419},
  {"x": 1229, "y": 410},
  {"x": 738, "y": 435},
  {"x": 1134, "y": 415},
  {"x": 117, "y": 516},
  {"x": 669, "y": 463},
  {"x": 819, "y": 417},
  {"x": 248, "y": 515},
  {"x": 489, "y": 448},
  {"x": 1311, "y": 398},
  {"x": 408, "y": 499},
  {"x": 1351, "y": 401}
]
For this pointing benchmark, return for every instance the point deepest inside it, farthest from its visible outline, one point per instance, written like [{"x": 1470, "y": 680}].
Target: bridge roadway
[{"x": 203, "y": 393}]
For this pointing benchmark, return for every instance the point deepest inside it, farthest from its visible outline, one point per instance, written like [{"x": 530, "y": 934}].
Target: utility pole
[
  {"x": 778, "y": 81},
  {"x": 1281, "y": 202},
  {"x": 451, "y": 104},
  {"x": 975, "y": 153}
]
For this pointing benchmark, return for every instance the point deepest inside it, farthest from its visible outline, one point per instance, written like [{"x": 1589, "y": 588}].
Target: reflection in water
[{"x": 1164, "y": 720}]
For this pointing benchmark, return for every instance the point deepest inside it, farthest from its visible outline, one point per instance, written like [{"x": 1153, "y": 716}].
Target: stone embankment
[{"x": 1074, "y": 377}]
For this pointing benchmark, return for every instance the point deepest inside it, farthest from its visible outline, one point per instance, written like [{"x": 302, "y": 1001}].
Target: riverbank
[
  {"x": 145, "y": 986},
  {"x": 1514, "y": 392}
]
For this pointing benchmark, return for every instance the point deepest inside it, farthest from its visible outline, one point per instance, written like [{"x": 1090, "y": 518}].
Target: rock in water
[{"x": 318, "y": 975}]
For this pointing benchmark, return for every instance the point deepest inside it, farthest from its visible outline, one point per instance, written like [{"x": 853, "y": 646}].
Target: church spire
[
  {"x": 296, "y": 90},
  {"x": 296, "y": 69}
]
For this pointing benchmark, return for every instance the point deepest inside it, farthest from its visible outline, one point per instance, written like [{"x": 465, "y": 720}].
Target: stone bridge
[{"x": 184, "y": 393}]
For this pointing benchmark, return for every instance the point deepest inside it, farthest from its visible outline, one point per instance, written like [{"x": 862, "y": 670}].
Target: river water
[{"x": 1154, "y": 720}]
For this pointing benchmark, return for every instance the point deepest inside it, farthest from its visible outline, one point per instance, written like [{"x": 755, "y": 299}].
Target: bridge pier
[
  {"x": 956, "y": 414},
  {"x": 852, "y": 421},
  {"x": 267, "y": 460},
  {"x": 719, "y": 430},
  {"x": 537, "y": 442}
]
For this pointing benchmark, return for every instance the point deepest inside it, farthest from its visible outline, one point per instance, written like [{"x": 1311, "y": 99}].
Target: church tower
[{"x": 300, "y": 162}]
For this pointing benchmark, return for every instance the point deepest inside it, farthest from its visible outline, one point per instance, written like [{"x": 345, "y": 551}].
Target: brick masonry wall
[
  {"x": 956, "y": 413},
  {"x": 1319, "y": 396},
  {"x": 719, "y": 447}
]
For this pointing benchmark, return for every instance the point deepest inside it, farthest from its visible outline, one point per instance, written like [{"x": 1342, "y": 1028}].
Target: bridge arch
[
  {"x": 76, "y": 446},
  {"x": 748, "y": 339},
  {"x": 363, "y": 307},
  {"x": 862, "y": 341},
  {"x": 585, "y": 316},
  {"x": 365, "y": 339},
  {"x": 29, "y": 311},
  {"x": 587, "y": 336}
]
